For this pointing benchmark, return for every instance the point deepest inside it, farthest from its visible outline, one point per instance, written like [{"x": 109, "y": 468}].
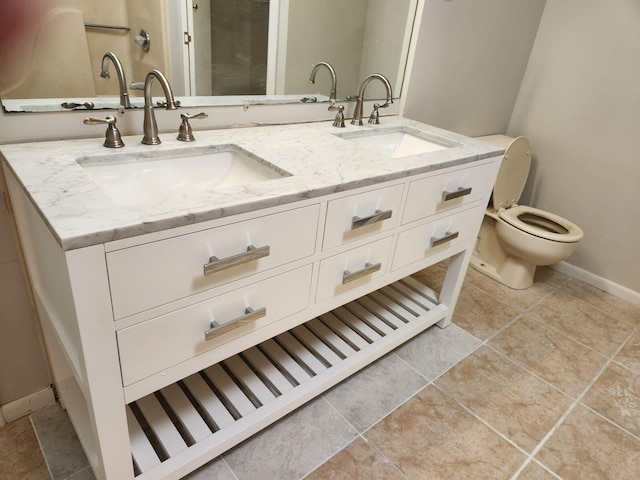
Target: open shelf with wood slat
[{"x": 196, "y": 419}]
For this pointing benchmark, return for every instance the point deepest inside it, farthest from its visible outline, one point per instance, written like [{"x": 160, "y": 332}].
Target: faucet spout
[
  {"x": 334, "y": 80},
  {"x": 122, "y": 81},
  {"x": 357, "y": 114},
  {"x": 150, "y": 126}
]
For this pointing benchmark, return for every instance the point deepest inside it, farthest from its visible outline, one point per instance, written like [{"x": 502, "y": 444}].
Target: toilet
[{"x": 514, "y": 239}]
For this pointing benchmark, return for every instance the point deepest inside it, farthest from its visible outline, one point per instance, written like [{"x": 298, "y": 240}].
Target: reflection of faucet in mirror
[
  {"x": 150, "y": 126},
  {"x": 334, "y": 80},
  {"x": 357, "y": 114},
  {"x": 122, "y": 81},
  {"x": 339, "y": 120}
]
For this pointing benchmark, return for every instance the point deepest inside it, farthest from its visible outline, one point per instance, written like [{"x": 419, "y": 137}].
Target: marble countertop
[{"x": 79, "y": 213}]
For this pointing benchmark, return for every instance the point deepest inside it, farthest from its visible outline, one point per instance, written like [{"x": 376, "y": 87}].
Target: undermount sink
[
  {"x": 395, "y": 143},
  {"x": 128, "y": 178}
]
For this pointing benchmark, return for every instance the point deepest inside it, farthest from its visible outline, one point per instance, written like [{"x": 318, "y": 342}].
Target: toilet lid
[{"x": 513, "y": 174}]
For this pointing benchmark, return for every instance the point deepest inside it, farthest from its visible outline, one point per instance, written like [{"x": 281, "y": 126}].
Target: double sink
[{"x": 130, "y": 179}]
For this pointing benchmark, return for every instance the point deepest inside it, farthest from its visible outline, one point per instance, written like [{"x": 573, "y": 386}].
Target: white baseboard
[
  {"x": 25, "y": 405},
  {"x": 599, "y": 282}
]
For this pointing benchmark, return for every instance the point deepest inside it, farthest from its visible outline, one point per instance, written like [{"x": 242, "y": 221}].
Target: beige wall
[
  {"x": 383, "y": 39},
  {"x": 470, "y": 59},
  {"x": 580, "y": 106},
  {"x": 23, "y": 370},
  {"x": 347, "y": 28}
]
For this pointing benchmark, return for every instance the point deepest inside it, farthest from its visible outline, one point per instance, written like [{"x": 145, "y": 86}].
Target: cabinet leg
[{"x": 453, "y": 282}]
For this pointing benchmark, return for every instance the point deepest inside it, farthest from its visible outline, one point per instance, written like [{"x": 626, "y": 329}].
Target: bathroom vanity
[{"x": 181, "y": 319}]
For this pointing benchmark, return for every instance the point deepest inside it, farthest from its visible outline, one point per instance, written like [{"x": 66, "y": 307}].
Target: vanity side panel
[
  {"x": 458, "y": 265},
  {"x": 72, "y": 293},
  {"x": 48, "y": 273}
]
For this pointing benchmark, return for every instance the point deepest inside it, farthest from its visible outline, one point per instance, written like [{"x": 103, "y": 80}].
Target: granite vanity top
[{"x": 80, "y": 214}]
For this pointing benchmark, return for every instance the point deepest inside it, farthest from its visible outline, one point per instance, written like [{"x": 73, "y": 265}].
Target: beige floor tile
[
  {"x": 602, "y": 300},
  {"x": 356, "y": 460},
  {"x": 616, "y": 395},
  {"x": 512, "y": 400},
  {"x": 561, "y": 361},
  {"x": 629, "y": 355},
  {"x": 587, "y": 447},
  {"x": 534, "y": 471},
  {"x": 519, "y": 298},
  {"x": 596, "y": 329},
  {"x": 551, "y": 277},
  {"x": 481, "y": 314},
  {"x": 431, "y": 437},
  {"x": 20, "y": 456}
]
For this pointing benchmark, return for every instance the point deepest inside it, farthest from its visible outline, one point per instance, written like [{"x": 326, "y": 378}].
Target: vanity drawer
[
  {"x": 420, "y": 242},
  {"x": 448, "y": 191},
  {"x": 153, "y": 274},
  {"x": 358, "y": 216},
  {"x": 353, "y": 268},
  {"x": 152, "y": 346}
]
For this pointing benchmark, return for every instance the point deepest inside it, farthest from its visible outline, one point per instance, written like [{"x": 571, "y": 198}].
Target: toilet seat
[{"x": 541, "y": 224}]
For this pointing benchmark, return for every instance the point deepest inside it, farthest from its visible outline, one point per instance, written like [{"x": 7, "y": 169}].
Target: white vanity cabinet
[{"x": 169, "y": 348}]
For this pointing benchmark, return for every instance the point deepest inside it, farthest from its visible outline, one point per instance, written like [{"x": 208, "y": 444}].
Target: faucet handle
[
  {"x": 374, "y": 118},
  {"x": 185, "y": 133},
  {"x": 339, "y": 120},
  {"x": 112, "y": 136}
]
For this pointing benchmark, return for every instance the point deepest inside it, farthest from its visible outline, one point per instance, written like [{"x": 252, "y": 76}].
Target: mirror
[{"x": 214, "y": 52}]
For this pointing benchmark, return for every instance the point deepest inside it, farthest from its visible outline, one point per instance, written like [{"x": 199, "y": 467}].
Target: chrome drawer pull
[
  {"x": 249, "y": 316},
  {"x": 357, "y": 222},
  {"x": 461, "y": 192},
  {"x": 444, "y": 239},
  {"x": 369, "y": 268},
  {"x": 216, "y": 265}
]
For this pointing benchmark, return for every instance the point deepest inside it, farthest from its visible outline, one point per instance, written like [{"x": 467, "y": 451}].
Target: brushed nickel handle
[
  {"x": 460, "y": 192},
  {"x": 378, "y": 216},
  {"x": 250, "y": 315},
  {"x": 217, "y": 265},
  {"x": 447, "y": 237},
  {"x": 112, "y": 138},
  {"x": 368, "y": 269}
]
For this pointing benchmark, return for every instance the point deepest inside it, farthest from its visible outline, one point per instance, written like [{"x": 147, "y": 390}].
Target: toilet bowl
[{"x": 515, "y": 239}]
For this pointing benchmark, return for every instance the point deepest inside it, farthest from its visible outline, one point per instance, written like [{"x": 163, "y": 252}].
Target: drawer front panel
[
  {"x": 360, "y": 265},
  {"x": 446, "y": 192},
  {"x": 152, "y": 346},
  {"x": 153, "y": 274},
  {"x": 358, "y": 216},
  {"x": 420, "y": 242}
]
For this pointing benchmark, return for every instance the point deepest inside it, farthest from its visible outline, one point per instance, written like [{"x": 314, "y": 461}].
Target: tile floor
[{"x": 529, "y": 385}]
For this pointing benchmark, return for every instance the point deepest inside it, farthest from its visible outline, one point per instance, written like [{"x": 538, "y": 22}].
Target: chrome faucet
[
  {"x": 357, "y": 114},
  {"x": 122, "y": 81},
  {"x": 339, "y": 120},
  {"x": 334, "y": 80},
  {"x": 150, "y": 126}
]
